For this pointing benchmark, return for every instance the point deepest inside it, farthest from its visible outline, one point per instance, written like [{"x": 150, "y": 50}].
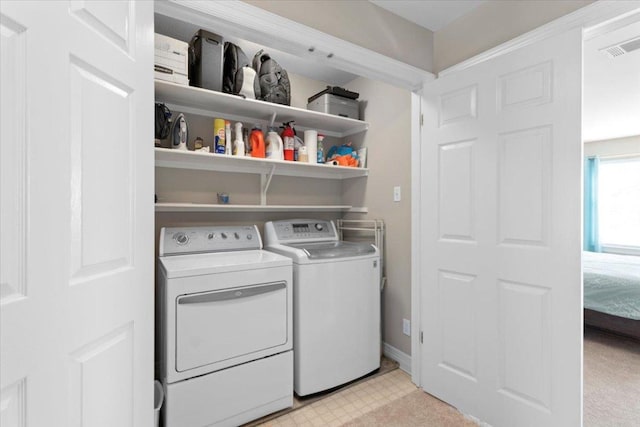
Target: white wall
[
  {"x": 362, "y": 23},
  {"x": 388, "y": 110},
  {"x": 302, "y": 88},
  {"x": 493, "y": 23}
]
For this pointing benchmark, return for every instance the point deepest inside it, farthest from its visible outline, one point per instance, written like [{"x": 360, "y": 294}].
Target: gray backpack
[{"x": 273, "y": 80}]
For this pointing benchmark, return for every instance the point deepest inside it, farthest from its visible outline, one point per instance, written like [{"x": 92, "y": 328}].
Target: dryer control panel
[
  {"x": 190, "y": 240},
  {"x": 300, "y": 230}
]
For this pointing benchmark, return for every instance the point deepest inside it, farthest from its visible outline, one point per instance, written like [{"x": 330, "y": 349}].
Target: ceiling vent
[{"x": 622, "y": 48}]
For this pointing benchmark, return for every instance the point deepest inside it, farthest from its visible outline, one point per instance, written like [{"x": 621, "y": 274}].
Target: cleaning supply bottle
[
  {"x": 273, "y": 145},
  {"x": 257, "y": 142},
  {"x": 238, "y": 143},
  {"x": 288, "y": 141},
  {"x": 228, "y": 149},
  {"x": 218, "y": 136},
  {"x": 247, "y": 142},
  {"x": 320, "y": 148},
  {"x": 299, "y": 143}
]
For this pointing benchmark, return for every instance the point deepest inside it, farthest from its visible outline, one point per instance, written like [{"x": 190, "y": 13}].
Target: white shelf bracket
[
  {"x": 273, "y": 119},
  {"x": 265, "y": 181}
]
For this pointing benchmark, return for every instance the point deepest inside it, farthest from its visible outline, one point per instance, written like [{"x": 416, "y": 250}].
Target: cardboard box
[{"x": 171, "y": 60}]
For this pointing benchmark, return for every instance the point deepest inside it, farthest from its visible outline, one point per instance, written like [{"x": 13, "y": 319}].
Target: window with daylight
[{"x": 619, "y": 204}]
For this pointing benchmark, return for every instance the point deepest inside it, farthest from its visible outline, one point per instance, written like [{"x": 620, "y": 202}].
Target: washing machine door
[
  {"x": 334, "y": 249},
  {"x": 226, "y": 325}
]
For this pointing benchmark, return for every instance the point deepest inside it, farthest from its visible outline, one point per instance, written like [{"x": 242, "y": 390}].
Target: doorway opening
[{"x": 611, "y": 257}]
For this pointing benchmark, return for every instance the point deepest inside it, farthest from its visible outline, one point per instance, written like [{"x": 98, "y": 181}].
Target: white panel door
[
  {"x": 501, "y": 274},
  {"x": 76, "y": 302}
]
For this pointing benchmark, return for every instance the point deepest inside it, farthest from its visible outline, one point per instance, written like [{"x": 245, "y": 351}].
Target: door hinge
[
  {"x": 421, "y": 119},
  {"x": 421, "y": 337}
]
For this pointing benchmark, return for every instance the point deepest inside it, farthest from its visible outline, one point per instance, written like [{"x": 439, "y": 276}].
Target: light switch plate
[
  {"x": 397, "y": 195},
  {"x": 406, "y": 327}
]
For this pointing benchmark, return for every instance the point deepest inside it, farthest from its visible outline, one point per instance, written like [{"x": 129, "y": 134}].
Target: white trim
[
  {"x": 416, "y": 112},
  {"x": 403, "y": 359},
  {"x": 596, "y": 17},
  {"x": 613, "y": 24},
  {"x": 620, "y": 249},
  {"x": 242, "y": 20}
]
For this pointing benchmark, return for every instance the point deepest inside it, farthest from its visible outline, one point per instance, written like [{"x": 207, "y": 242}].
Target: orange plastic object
[
  {"x": 346, "y": 160},
  {"x": 257, "y": 144}
]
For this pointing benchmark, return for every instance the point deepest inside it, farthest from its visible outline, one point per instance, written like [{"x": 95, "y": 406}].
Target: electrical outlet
[
  {"x": 397, "y": 195},
  {"x": 406, "y": 327}
]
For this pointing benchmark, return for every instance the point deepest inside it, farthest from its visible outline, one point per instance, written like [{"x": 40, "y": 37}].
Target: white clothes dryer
[
  {"x": 224, "y": 326},
  {"x": 336, "y": 306}
]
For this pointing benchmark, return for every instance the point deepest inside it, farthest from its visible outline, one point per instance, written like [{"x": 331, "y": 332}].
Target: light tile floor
[{"x": 348, "y": 404}]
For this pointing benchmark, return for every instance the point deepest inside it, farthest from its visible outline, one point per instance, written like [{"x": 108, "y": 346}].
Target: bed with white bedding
[{"x": 612, "y": 292}]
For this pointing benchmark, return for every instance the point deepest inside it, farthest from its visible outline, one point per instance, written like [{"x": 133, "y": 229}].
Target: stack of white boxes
[{"x": 171, "y": 60}]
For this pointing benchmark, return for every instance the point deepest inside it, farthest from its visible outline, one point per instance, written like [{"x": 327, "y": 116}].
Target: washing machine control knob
[
  {"x": 319, "y": 227},
  {"x": 181, "y": 238},
  {"x": 249, "y": 236},
  {"x": 210, "y": 236},
  {"x": 223, "y": 235},
  {"x": 236, "y": 235}
]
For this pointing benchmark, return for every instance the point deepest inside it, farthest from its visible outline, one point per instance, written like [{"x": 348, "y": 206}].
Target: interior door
[
  {"x": 501, "y": 244},
  {"x": 76, "y": 317}
]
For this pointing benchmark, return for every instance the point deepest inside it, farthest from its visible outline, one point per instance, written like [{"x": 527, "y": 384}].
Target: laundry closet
[{"x": 188, "y": 184}]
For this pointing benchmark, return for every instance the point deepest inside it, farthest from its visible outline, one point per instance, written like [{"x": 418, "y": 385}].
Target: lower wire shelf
[{"x": 201, "y": 207}]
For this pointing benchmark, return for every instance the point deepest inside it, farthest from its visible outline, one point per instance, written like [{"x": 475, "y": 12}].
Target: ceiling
[
  {"x": 432, "y": 14},
  {"x": 611, "y": 103},
  {"x": 611, "y": 94}
]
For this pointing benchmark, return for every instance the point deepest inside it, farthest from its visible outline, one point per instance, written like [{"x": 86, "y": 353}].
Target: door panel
[
  {"x": 501, "y": 275},
  {"x": 76, "y": 213},
  {"x": 456, "y": 191},
  {"x": 251, "y": 319},
  {"x": 100, "y": 245},
  {"x": 524, "y": 181},
  {"x": 13, "y": 169}
]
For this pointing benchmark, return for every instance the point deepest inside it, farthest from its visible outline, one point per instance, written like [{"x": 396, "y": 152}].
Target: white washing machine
[
  {"x": 224, "y": 326},
  {"x": 336, "y": 306}
]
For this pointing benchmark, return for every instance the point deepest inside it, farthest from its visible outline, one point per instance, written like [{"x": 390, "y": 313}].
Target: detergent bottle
[
  {"x": 257, "y": 142},
  {"x": 273, "y": 145},
  {"x": 238, "y": 143},
  {"x": 288, "y": 141}
]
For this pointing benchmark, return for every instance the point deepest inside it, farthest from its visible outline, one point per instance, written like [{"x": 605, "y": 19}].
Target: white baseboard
[{"x": 402, "y": 358}]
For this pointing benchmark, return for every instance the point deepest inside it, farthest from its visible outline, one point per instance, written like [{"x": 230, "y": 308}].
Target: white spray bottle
[
  {"x": 238, "y": 143},
  {"x": 227, "y": 137}
]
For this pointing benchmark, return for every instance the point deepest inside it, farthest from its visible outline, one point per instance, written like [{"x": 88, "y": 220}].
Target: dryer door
[{"x": 223, "y": 325}]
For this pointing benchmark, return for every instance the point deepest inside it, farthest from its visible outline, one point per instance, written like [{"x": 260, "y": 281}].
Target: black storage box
[{"x": 206, "y": 60}]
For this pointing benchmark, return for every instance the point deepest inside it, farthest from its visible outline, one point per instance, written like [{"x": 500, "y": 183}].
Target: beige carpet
[
  {"x": 611, "y": 395},
  {"x": 611, "y": 392},
  {"x": 611, "y": 380},
  {"x": 416, "y": 409}
]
